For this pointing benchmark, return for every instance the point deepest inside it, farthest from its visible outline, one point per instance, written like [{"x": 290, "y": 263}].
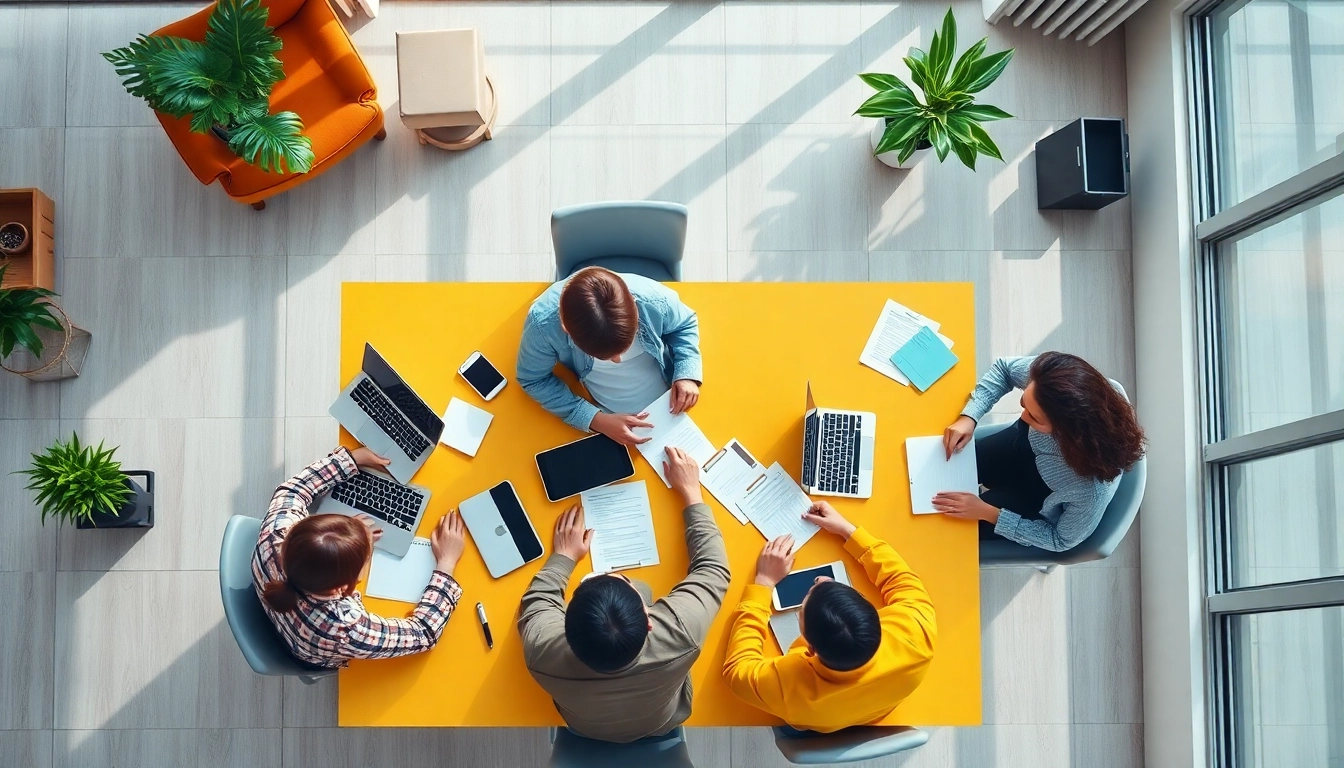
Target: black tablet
[{"x": 588, "y": 463}]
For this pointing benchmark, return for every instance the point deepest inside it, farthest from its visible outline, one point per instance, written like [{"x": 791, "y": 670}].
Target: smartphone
[
  {"x": 789, "y": 592},
  {"x": 482, "y": 376}
]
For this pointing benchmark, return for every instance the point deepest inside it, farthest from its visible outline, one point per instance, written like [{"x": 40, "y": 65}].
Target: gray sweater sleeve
[
  {"x": 1005, "y": 375},
  {"x": 695, "y": 601}
]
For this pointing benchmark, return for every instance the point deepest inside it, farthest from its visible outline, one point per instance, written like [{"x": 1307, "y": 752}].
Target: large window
[{"x": 1269, "y": 125}]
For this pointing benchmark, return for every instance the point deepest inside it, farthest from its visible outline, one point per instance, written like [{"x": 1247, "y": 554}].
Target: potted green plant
[
  {"x": 86, "y": 486},
  {"x": 223, "y": 84},
  {"x": 948, "y": 120},
  {"x": 22, "y": 310}
]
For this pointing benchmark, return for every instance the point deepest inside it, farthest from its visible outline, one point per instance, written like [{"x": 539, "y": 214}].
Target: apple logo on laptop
[{"x": 500, "y": 530}]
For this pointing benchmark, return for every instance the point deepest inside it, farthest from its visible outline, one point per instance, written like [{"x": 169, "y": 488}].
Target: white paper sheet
[
  {"x": 931, "y": 472},
  {"x": 728, "y": 474},
  {"x": 678, "y": 431},
  {"x": 895, "y": 326},
  {"x": 402, "y": 578},
  {"x": 622, "y": 525},
  {"x": 785, "y": 627},
  {"x": 775, "y": 505},
  {"x": 464, "y": 426}
]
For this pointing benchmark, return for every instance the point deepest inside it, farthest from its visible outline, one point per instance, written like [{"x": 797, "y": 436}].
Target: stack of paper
[
  {"x": 729, "y": 473},
  {"x": 896, "y": 326},
  {"x": 924, "y": 359},
  {"x": 622, "y": 525},
  {"x": 931, "y": 472},
  {"x": 775, "y": 505},
  {"x": 668, "y": 430},
  {"x": 402, "y": 578}
]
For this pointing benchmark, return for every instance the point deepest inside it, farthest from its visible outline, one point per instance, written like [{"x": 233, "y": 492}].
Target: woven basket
[{"x": 63, "y": 352}]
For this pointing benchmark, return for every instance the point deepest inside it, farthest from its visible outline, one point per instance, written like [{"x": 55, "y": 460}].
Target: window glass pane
[
  {"x": 1286, "y": 517},
  {"x": 1278, "y": 65},
  {"x": 1282, "y": 320},
  {"x": 1289, "y": 692}
]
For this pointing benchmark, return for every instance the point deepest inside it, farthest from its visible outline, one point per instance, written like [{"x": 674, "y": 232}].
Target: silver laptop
[
  {"x": 838, "y": 451},
  {"x": 396, "y": 508},
  {"x": 501, "y": 529},
  {"x": 386, "y": 415}
]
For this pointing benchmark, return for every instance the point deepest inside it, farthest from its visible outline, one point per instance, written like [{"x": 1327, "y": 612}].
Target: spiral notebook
[{"x": 402, "y": 578}]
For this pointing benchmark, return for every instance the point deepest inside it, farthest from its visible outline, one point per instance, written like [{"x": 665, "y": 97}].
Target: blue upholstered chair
[
  {"x": 862, "y": 742},
  {"x": 260, "y": 643},
  {"x": 644, "y": 237},
  {"x": 569, "y": 750},
  {"x": 1115, "y": 522}
]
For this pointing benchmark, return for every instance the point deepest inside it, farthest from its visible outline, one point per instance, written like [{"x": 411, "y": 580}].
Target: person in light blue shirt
[
  {"x": 629, "y": 339},
  {"x": 1049, "y": 476}
]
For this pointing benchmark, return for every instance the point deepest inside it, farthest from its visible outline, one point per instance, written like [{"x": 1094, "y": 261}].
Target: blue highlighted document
[{"x": 924, "y": 359}]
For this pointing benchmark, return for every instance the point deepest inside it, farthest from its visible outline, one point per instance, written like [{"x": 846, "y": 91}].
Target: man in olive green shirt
[{"x": 616, "y": 662}]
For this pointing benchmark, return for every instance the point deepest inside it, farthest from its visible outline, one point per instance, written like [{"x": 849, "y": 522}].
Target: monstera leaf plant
[
  {"x": 223, "y": 84},
  {"x": 948, "y": 120}
]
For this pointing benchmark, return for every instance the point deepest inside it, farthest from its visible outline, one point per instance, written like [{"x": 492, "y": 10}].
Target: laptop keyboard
[
  {"x": 385, "y": 499},
  {"x": 840, "y": 447},
  {"x": 385, "y": 415}
]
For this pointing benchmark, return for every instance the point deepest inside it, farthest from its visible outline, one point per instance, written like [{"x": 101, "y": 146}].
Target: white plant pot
[{"x": 892, "y": 158}]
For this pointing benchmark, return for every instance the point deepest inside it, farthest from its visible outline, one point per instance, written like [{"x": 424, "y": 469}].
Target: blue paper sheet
[{"x": 924, "y": 359}]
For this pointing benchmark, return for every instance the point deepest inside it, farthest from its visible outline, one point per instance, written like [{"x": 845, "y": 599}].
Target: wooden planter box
[{"x": 36, "y": 266}]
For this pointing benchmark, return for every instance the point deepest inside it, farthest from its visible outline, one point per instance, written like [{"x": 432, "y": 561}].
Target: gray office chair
[
  {"x": 1115, "y": 522},
  {"x": 569, "y": 750},
  {"x": 257, "y": 639},
  {"x": 644, "y": 237},
  {"x": 862, "y": 742}
]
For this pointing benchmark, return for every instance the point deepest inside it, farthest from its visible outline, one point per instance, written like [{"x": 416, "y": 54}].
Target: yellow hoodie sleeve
[
  {"x": 901, "y": 589},
  {"x": 747, "y": 671}
]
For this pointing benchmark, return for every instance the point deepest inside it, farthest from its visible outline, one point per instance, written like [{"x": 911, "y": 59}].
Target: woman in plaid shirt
[{"x": 306, "y": 568}]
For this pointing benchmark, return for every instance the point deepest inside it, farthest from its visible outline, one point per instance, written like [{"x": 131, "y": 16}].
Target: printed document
[
  {"x": 931, "y": 472},
  {"x": 401, "y": 578},
  {"x": 622, "y": 525},
  {"x": 896, "y": 325},
  {"x": 677, "y": 431},
  {"x": 775, "y": 505},
  {"x": 729, "y": 473}
]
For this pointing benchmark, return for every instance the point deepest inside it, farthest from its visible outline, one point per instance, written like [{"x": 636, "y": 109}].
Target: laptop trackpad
[
  {"x": 375, "y": 439},
  {"x": 866, "y": 453}
]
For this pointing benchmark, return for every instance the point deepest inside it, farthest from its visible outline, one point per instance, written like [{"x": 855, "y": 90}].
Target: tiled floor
[{"x": 214, "y": 356}]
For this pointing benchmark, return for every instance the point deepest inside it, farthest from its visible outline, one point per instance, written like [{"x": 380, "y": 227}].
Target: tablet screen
[
  {"x": 583, "y": 464},
  {"x": 794, "y": 587}
]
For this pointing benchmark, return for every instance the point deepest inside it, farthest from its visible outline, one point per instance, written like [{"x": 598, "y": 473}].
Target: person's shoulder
[
  {"x": 546, "y": 307},
  {"x": 646, "y": 290}
]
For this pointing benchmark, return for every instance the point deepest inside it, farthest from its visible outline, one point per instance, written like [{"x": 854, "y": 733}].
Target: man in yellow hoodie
[{"x": 853, "y": 663}]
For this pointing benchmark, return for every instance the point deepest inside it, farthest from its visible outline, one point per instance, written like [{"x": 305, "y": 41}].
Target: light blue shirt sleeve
[
  {"x": 679, "y": 328},
  {"x": 537, "y": 358},
  {"x": 1005, "y": 375}
]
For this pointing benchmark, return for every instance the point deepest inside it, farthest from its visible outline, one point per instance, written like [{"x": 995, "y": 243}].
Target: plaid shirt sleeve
[{"x": 374, "y": 637}]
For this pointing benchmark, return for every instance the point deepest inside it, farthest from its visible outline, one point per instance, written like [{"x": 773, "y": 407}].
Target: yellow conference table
[{"x": 761, "y": 344}]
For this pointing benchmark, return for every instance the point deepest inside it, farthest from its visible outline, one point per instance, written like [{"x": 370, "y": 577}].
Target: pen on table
[{"x": 485, "y": 625}]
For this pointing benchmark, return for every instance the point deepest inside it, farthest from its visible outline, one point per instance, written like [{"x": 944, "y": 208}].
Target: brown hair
[
  {"x": 599, "y": 312},
  {"x": 320, "y": 553},
  {"x": 1095, "y": 426}
]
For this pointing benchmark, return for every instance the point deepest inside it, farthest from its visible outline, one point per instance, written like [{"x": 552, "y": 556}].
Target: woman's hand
[
  {"x": 959, "y": 435},
  {"x": 965, "y": 506},
  {"x": 366, "y": 458},
  {"x": 685, "y": 394},
  {"x": 448, "y": 542},
  {"x": 374, "y": 531},
  {"x": 618, "y": 427}
]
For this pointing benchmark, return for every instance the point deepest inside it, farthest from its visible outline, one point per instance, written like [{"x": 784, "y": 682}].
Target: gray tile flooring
[{"x": 215, "y": 335}]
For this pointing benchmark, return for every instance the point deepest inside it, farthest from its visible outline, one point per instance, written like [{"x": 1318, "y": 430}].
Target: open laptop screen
[{"x": 392, "y": 385}]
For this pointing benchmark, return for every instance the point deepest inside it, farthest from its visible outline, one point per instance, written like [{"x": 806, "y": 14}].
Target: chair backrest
[
  {"x": 569, "y": 750},
  {"x": 862, "y": 742},
  {"x": 252, "y": 629},
  {"x": 620, "y": 229},
  {"x": 1101, "y": 543}
]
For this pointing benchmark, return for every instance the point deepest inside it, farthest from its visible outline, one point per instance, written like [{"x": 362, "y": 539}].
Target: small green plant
[
  {"x": 21, "y": 309},
  {"x": 73, "y": 481},
  {"x": 224, "y": 82},
  {"x": 949, "y": 120}
]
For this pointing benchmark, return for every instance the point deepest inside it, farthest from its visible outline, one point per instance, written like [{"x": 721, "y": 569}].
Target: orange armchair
[{"x": 326, "y": 84}]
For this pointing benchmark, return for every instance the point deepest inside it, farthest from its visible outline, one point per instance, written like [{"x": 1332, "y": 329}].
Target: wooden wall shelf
[{"x": 36, "y": 266}]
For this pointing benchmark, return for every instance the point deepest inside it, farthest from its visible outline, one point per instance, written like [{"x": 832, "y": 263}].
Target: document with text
[
  {"x": 622, "y": 524},
  {"x": 677, "y": 430},
  {"x": 895, "y": 326},
  {"x": 775, "y": 505},
  {"x": 728, "y": 475}
]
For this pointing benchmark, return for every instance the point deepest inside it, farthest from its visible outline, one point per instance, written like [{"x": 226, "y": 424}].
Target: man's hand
[
  {"x": 685, "y": 394},
  {"x": 374, "y": 531},
  {"x": 366, "y": 458},
  {"x": 958, "y": 435},
  {"x": 825, "y": 517},
  {"x": 775, "y": 562},
  {"x": 448, "y": 542},
  {"x": 965, "y": 506},
  {"x": 683, "y": 473},
  {"x": 617, "y": 426},
  {"x": 571, "y": 540}
]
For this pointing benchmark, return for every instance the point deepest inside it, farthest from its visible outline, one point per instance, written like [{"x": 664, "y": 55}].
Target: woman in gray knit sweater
[{"x": 1050, "y": 475}]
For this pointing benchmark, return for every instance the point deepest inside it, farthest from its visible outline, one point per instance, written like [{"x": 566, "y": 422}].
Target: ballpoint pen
[{"x": 485, "y": 625}]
